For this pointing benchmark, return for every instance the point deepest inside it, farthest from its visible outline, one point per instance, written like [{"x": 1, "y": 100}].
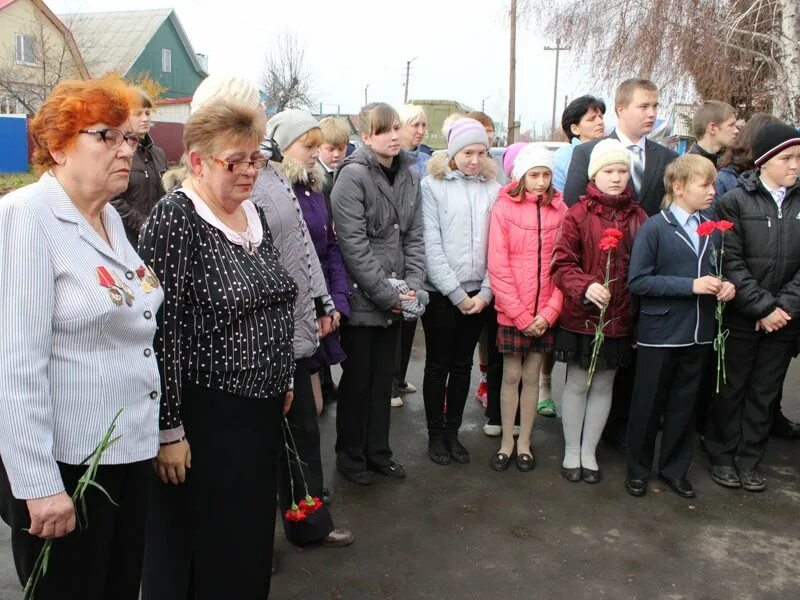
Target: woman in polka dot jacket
[{"x": 225, "y": 351}]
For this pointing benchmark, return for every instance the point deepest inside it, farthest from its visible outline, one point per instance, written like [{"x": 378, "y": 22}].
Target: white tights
[{"x": 584, "y": 412}]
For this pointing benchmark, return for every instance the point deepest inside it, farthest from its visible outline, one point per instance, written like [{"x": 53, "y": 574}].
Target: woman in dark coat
[{"x": 149, "y": 164}]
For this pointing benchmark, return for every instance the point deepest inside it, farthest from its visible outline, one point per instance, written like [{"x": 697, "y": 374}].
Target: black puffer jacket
[
  {"x": 762, "y": 252},
  {"x": 144, "y": 187}
]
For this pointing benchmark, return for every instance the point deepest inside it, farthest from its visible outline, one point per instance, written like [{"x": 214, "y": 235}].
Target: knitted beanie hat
[
  {"x": 463, "y": 133},
  {"x": 224, "y": 87},
  {"x": 607, "y": 152},
  {"x": 773, "y": 139},
  {"x": 510, "y": 155},
  {"x": 288, "y": 125},
  {"x": 532, "y": 155}
]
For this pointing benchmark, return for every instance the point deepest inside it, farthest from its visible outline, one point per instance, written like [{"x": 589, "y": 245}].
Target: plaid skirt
[{"x": 511, "y": 341}]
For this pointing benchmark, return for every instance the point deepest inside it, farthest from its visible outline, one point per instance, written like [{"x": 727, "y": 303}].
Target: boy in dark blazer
[
  {"x": 672, "y": 270},
  {"x": 636, "y": 105}
]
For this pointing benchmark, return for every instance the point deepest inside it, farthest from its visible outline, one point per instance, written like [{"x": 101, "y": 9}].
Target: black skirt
[{"x": 571, "y": 347}]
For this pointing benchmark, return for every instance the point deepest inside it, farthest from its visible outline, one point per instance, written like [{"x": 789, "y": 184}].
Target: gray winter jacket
[
  {"x": 379, "y": 227},
  {"x": 289, "y": 232},
  {"x": 456, "y": 210}
]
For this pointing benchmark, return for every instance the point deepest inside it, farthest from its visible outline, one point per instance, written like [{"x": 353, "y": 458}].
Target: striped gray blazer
[{"x": 76, "y": 340}]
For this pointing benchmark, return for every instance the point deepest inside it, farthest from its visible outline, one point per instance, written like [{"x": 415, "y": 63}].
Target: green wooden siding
[{"x": 184, "y": 78}]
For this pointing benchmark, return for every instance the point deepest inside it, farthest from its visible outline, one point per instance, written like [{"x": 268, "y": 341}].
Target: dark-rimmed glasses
[
  {"x": 240, "y": 167},
  {"x": 113, "y": 138}
]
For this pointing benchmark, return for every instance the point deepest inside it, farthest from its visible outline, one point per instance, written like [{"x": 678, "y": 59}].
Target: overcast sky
[{"x": 460, "y": 46}]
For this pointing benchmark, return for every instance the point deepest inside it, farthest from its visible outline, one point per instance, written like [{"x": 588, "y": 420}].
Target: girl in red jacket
[
  {"x": 579, "y": 270},
  {"x": 525, "y": 220}
]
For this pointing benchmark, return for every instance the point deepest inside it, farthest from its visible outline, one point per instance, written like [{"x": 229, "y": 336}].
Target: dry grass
[{"x": 12, "y": 181}]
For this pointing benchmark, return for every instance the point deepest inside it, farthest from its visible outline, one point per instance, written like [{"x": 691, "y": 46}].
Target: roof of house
[
  {"x": 112, "y": 41},
  {"x": 51, "y": 16}
]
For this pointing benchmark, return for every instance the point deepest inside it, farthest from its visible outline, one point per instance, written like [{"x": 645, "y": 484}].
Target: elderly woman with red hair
[{"x": 78, "y": 310}]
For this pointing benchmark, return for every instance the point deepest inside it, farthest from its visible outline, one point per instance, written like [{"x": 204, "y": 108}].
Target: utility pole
[
  {"x": 366, "y": 87},
  {"x": 558, "y": 49},
  {"x": 483, "y": 103},
  {"x": 408, "y": 72},
  {"x": 512, "y": 74}
]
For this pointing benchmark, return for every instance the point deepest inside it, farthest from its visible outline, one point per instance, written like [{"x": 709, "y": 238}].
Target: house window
[
  {"x": 24, "y": 54},
  {"x": 166, "y": 60}
]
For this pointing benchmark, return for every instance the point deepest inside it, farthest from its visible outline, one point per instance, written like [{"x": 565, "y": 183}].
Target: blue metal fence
[{"x": 13, "y": 144}]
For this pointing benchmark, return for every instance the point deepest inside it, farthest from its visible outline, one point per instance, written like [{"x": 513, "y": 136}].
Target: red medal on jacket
[{"x": 107, "y": 281}]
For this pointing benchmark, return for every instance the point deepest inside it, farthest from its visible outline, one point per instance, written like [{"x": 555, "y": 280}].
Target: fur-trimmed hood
[
  {"x": 297, "y": 173},
  {"x": 439, "y": 167}
]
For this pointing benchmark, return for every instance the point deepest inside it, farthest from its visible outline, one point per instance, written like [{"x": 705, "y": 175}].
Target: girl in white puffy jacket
[{"x": 457, "y": 197}]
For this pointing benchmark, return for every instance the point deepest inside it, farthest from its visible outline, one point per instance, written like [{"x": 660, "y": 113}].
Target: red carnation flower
[
  {"x": 611, "y": 232},
  {"x": 310, "y": 505},
  {"x": 706, "y": 228},
  {"x": 294, "y": 514},
  {"x": 724, "y": 225},
  {"x": 608, "y": 243}
]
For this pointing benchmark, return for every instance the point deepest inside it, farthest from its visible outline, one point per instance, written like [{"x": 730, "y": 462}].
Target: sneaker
[
  {"x": 492, "y": 430},
  {"x": 338, "y": 538},
  {"x": 406, "y": 388},
  {"x": 482, "y": 395},
  {"x": 397, "y": 401}
]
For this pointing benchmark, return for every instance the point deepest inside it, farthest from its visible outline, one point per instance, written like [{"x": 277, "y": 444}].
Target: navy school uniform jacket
[{"x": 663, "y": 267}]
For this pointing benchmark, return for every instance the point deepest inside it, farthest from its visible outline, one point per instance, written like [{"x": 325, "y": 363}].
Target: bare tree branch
[
  {"x": 744, "y": 51},
  {"x": 31, "y": 84},
  {"x": 284, "y": 78}
]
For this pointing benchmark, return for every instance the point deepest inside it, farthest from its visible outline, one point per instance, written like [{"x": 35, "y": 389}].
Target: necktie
[
  {"x": 779, "y": 194},
  {"x": 637, "y": 168},
  {"x": 691, "y": 225}
]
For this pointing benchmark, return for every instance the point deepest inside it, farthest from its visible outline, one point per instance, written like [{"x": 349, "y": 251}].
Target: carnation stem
[{"x": 79, "y": 503}]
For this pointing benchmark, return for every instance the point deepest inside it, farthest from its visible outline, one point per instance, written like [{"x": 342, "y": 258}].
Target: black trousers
[
  {"x": 450, "y": 340},
  {"x": 212, "y": 536},
  {"x": 617, "y": 423},
  {"x": 741, "y": 415},
  {"x": 302, "y": 419},
  {"x": 363, "y": 411},
  {"x": 403, "y": 357},
  {"x": 666, "y": 385},
  {"x": 102, "y": 561}
]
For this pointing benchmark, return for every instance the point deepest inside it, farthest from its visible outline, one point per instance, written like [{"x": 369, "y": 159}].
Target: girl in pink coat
[{"x": 525, "y": 221}]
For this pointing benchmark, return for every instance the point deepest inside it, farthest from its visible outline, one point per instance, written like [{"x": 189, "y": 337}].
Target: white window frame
[
  {"x": 20, "y": 47},
  {"x": 166, "y": 60}
]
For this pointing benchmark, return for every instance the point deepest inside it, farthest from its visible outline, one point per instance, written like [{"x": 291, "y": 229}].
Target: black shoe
[
  {"x": 785, "y": 429},
  {"x": 591, "y": 475},
  {"x": 526, "y": 462},
  {"x": 359, "y": 477},
  {"x": 457, "y": 451},
  {"x": 752, "y": 481},
  {"x": 680, "y": 486},
  {"x": 393, "y": 470},
  {"x": 636, "y": 487},
  {"x": 500, "y": 461},
  {"x": 573, "y": 475},
  {"x": 437, "y": 451},
  {"x": 725, "y": 476}
]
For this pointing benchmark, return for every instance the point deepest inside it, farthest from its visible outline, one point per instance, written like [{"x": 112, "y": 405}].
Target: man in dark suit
[{"x": 636, "y": 105}]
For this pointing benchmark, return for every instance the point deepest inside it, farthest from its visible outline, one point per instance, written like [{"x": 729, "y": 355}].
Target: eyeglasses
[
  {"x": 240, "y": 167},
  {"x": 114, "y": 137}
]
